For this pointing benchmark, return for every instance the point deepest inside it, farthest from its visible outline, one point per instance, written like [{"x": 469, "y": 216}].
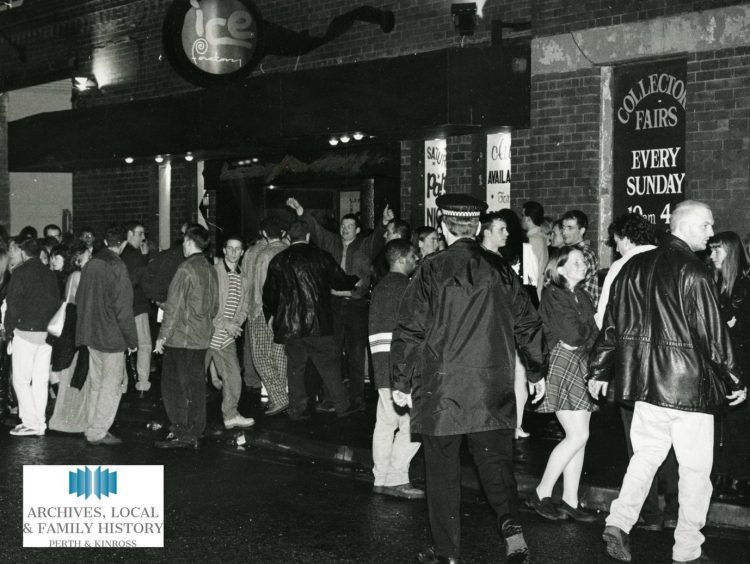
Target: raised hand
[
  {"x": 388, "y": 215},
  {"x": 295, "y": 205}
]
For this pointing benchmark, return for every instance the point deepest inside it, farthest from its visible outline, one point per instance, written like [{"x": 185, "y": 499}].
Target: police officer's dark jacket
[
  {"x": 459, "y": 324},
  {"x": 663, "y": 339}
]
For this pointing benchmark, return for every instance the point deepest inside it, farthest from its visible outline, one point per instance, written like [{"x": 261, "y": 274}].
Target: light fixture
[
  {"x": 83, "y": 83},
  {"x": 271, "y": 187},
  {"x": 345, "y": 138},
  {"x": 464, "y": 17},
  {"x": 129, "y": 160},
  {"x": 333, "y": 141},
  {"x": 188, "y": 156},
  {"x": 255, "y": 159},
  {"x": 358, "y": 135},
  {"x": 159, "y": 159}
]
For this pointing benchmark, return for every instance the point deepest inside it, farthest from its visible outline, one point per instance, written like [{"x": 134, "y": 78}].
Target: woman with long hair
[
  {"x": 72, "y": 396},
  {"x": 568, "y": 315},
  {"x": 732, "y": 445}
]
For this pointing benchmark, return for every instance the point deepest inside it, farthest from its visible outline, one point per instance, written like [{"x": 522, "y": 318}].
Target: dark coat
[
  {"x": 32, "y": 296},
  {"x": 136, "y": 263},
  {"x": 568, "y": 316},
  {"x": 461, "y": 320},
  {"x": 105, "y": 305},
  {"x": 737, "y": 306},
  {"x": 297, "y": 292},
  {"x": 159, "y": 273},
  {"x": 663, "y": 338}
]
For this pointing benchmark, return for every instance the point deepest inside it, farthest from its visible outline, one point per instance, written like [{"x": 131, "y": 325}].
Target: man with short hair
[
  {"x": 575, "y": 224},
  {"x": 355, "y": 255},
  {"x": 249, "y": 261},
  {"x": 106, "y": 325},
  {"x": 227, "y": 326},
  {"x": 454, "y": 348},
  {"x": 32, "y": 299},
  {"x": 191, "y": 306},
  {"x": 392, "y": 448},
  {"x": 136, "y": 263},
  {"x": 88, "y": 237},
  {"x": 396, "y": 229},
  {"x": 532, "y": 220},
  {"x": 297, "y": 303},
  {"x": 268, "y": 357},
  {"x": 54, "y": 231},
  {"x": 669, "y": 348},
  {"x": 494, "y": 232}
]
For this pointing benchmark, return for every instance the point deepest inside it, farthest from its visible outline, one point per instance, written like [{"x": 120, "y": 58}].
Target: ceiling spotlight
[
  {"x": 345, "y": 138},
  {"x": 333, "y": 141},
  {"x": 159, "y": 159},
  {"x": 188, "y": 156},
  {"x": 255, "y": 159},
  {"x": 129, "y": 160},
  {"x": 271, "y": 186},
  {"x": 358, "y": 135}
]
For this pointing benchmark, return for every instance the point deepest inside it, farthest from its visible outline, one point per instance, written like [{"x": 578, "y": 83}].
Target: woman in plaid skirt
[{"x": 568, "y": 315}]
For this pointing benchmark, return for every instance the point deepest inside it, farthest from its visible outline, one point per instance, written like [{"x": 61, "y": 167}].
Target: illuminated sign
[{"x": 213, "y": 42}]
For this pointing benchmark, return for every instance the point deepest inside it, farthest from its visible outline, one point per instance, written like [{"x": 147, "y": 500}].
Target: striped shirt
[{"x": 221, "y": 339}]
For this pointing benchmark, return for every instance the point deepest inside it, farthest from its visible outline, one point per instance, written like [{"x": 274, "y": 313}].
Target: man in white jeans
[
  {"x": 32, "y": 299},
  {"x": 391, "y": 454},
  {"x": 664, "y": 339}
]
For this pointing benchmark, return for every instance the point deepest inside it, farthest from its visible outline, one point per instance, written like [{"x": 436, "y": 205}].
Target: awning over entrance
[{"x": 410, "y": 97}]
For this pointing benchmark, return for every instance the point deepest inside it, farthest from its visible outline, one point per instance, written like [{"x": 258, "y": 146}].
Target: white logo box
[{"x": 57, "y": 513}]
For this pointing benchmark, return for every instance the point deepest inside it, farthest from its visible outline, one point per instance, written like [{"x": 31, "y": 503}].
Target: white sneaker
[
  {"x": 239, "y": 421},
  {"x": 22, "y": 431}
]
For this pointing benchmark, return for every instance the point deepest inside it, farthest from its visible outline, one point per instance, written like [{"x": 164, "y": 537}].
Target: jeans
[
  {"x": 143, "y": 355},
  {"x": 322, "y": 352},
  {"x": 350, "y": 333},
  {"x": 655, "y": 429},
  {"x": 183, "y": 390},
  {"x": 493, "y": 454},
  {"x": 228, "y": 366},
  {"x": 667, "y": 475},
  {"x": 30, "y": 378},
  {"x": 106, "y": 372},
  {"x": 391, "y": 454}
]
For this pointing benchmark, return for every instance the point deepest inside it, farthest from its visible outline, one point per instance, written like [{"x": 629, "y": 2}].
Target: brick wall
[
  {"x": 551, "y": 17},
  {"x": 4, "y": 176},
  {"x": 718, "y": 135}
]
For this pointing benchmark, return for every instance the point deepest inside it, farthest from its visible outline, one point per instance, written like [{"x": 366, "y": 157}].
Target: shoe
[
  {"x": 404, "y": 491},
  {"x": 429, "y": 556},
  {"x": 176, "y": 443},
  {"x": 521, "y": 434},
  {"x": 702, "y": 559},
  {"x": 654, "y": 525},
  {"x": 516, "y": 549},
  {"x": 670, "y": 523},
  {"x": 107, "y": 440},
  {"x": 22, "y": 430},
  {"x": 239, "y": 421},
  {"x": 577, "y": 513},
  {"x": 618, "y": 543},
  {"x": 546, "y": 508},
  {"x": 325, "y": 407},
  {"x": 276, "y": 410}
]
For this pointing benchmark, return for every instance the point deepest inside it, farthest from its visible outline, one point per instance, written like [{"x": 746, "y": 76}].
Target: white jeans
[
  {"x": 391, "y": 455},
  {"x": 654, "y": 430},
  {"x": 30, "y": 380},
  {"x": 143, "y": 356}
]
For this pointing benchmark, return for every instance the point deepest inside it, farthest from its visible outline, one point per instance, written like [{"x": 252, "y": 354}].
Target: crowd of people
[{"x": 462, "y": 325}]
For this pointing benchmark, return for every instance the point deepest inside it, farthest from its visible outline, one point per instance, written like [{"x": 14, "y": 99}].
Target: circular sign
[{"x": 213, "y": 42}]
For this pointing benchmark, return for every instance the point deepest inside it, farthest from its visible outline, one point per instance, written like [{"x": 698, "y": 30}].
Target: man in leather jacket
[
  {"x": 297, "y": 304},
  {"x": 665, "y": 342},
  {"x": 454, "y": 353}
]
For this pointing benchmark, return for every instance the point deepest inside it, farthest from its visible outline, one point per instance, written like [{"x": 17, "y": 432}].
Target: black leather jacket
[
  {"x": 297, "y": 292},
  {"x": 663, "y": 337}
]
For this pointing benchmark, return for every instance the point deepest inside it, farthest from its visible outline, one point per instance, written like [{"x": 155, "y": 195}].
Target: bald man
[{"x": 666, "y": 348}]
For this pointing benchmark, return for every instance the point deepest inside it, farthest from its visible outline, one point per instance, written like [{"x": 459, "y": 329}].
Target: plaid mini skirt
[{"x": 566, "y": 384}]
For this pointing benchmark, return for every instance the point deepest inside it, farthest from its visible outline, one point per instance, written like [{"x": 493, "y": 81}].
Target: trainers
[
  {"x": 22, "y": 430},
  {"x": 618, "y": 543},
  {"x": 276, "y": 410},
  {"x": 429, "y": 556},
  {"x": 107, "y": 440},
  {"x": 546, "y": 508},
  {"x": 577, "y": 513},
  {"x": 516, "y": 549},
  {"x": 176, "y": 443},
  {"x": 702, "y": 559},
  {"x": 239, "y": 421},
  {"x": 405, "y": 491}
]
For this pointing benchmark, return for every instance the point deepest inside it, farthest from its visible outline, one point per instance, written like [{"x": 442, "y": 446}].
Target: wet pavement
[{"x": 229, "y": 504}]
